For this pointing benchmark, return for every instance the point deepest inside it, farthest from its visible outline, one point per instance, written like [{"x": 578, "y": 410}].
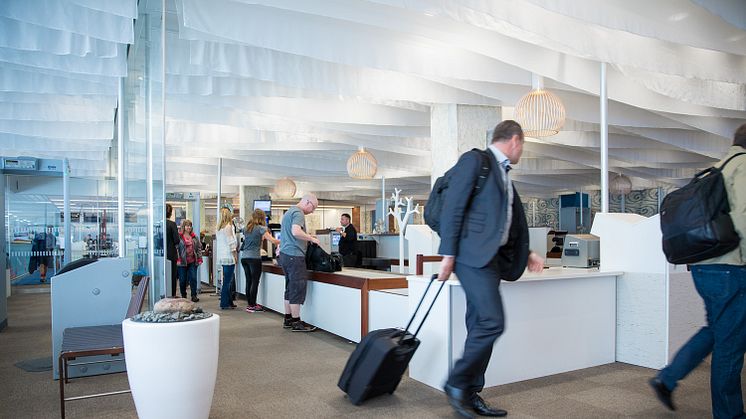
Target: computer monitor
[
  {"x": 277, "y": 234},
  {"x": 264, "y": 205}
]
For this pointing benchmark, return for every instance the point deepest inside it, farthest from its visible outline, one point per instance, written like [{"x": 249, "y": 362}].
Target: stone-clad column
[
  {"x": 456, "y": 129},
  {"x": 247, "y": 195}
]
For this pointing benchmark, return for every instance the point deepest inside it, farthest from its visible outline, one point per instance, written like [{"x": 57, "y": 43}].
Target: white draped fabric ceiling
[{"x": 287, "y": 88}]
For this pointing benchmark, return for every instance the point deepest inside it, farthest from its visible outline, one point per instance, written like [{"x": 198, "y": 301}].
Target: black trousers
[
  {"x": 174, "y": 270},
  {"x": 485, "y": 322},
  {"x": 252, "y": 268}
]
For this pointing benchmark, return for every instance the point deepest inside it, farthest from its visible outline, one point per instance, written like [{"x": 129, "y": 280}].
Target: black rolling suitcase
[{"x": 380, "y": 359}]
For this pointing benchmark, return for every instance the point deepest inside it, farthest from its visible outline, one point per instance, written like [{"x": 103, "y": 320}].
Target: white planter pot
[{"x": 172, "y": 367}]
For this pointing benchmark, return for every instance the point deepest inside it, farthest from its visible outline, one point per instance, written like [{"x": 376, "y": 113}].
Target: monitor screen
[
  {"x": 277, "y": 235},
  {"x": 335, "y": 238},
  {"x": 264, "y": 205}
]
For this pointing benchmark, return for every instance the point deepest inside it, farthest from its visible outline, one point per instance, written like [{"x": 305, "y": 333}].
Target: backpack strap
[
  {"x": 729, "y": 159},
  {"x": 484, "y": 171}
]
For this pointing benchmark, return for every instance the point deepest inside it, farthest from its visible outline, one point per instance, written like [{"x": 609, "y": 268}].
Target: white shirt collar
[{"x": 499, "y": 155}]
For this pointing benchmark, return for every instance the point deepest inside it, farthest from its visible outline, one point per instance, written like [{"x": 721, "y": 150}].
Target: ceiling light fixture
[
  {"x": 540, "y": 112},
  {"x": 621, "y": 184},
  {"x": 285, "y": 188},
  {"x": 362, "y": 165}
]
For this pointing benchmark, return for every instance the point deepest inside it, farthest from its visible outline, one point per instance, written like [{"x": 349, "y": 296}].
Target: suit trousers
[{"x": 485, "y": 322}]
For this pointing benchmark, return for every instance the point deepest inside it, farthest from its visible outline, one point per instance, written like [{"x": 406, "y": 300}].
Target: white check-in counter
[
  {"x": 341, "y": 302},
  {"x": 559, "y": 320}
]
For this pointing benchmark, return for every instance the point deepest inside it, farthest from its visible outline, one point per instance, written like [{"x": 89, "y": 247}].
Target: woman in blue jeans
[
  {"x": 251, "y": 259},
  {"x": 226, "y": 256},
  {"x": 189, "y": 258}
]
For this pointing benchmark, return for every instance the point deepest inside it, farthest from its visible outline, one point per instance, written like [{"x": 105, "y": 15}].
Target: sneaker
[
  {"x": 287, "y": 323},
  {"x": 250, "y": 309},
  {"x": 195, "y": 299},
  {"x": 258, "y": 308},
  {"x": 301, "y": 326}
]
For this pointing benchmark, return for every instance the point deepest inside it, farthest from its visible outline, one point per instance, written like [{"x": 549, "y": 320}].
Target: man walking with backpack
[
  {"x": 484, "y": 238},
  {"x": 721, "y": 282}
]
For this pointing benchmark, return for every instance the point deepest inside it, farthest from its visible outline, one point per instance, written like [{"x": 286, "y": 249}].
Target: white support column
[
  {"x": 120, "y": 169},
  {"x": 604, "y": 142},
  {"x": 216, "y": 251},
  {"x": 66, "y": 209}
]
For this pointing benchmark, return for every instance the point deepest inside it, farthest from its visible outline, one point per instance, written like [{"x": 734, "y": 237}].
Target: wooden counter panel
[{"x": 362, "y": 279}]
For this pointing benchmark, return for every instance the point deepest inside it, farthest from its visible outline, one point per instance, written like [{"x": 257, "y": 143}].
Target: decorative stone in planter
[{"x": 172, "y": 360}]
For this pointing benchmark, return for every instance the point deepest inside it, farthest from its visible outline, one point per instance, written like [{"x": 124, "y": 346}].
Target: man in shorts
[{"x": 293, "y": 260}]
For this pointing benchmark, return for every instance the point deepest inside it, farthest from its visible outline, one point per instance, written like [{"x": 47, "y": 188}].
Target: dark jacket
[
  {"x": 472, "y": 231},
  {"x": 347, "y": 244},
  {"x": 172, "y": 240}
]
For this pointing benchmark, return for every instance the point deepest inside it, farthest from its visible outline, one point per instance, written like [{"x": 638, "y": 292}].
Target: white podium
[
  {"x": 422, "y": 241},
  {"x": 658, "y": 309}
]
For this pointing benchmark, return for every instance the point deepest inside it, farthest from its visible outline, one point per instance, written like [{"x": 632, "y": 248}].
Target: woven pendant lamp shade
[
  {"x": 540, "y": 113},
  {"x": 285, "y": 188},
  {"x": 621, "y": 184},
  {"x": 362, "y": 165}
]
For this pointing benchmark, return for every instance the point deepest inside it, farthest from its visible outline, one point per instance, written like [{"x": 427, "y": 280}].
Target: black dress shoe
[
  {"x": 663, "y": 393},
  {"x": 483, "y": 409},
  {"x": 458, "y": 399}
]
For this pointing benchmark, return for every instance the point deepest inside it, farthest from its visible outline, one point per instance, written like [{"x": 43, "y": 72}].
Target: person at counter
[
  {"x": 254, "y": 234},
  {"x": 226, "y": 256},
  {"x": 293, "y": 260},
  {"x": 496, "y": 247},
  {"x": 349, "y": 235}
]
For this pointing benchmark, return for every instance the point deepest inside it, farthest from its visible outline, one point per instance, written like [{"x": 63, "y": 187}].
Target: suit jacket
[
  {"x": 471, "y": 231},
  {"x": 347, "y": 244},
  {"x": 172, "y": 239}
]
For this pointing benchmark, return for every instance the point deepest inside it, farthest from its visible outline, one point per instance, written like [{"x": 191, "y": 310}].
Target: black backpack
[
  {"x": 434, "y": 204},
  {"x": 695, "y": 220},
  {"x": 318, "y": 260}
]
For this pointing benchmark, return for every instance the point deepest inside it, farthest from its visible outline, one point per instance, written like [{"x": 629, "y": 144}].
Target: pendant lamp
[
  {"x": 540, "y": 112},
  {"x": 285, "y": 188},
  {"x": 362, "y": 165},
  {"x": 620, "y": 184}
]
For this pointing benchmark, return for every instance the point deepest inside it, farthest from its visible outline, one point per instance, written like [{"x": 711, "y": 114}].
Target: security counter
[
  {"x": 337, "y": 302},
  {"x": 558, "y": 320}
]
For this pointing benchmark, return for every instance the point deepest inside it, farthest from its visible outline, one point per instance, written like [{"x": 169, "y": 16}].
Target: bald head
[{"x": 308, "y": 203}]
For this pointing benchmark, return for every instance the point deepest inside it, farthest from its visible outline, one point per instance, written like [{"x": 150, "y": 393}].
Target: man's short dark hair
[
  {"x": 739, "y": 138},
  {"x": 347, "y": 215},
  {"x": 169, "y": 210},
  {"x": 505, "y": 130}
]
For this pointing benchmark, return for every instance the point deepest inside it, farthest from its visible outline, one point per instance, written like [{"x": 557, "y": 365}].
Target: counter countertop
[
  {"x": 369, "y": 274},
  {"x": 545, "y": 275}
]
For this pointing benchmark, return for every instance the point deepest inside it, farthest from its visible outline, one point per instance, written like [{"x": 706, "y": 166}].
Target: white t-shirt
[{"x": 226, "y": 241}]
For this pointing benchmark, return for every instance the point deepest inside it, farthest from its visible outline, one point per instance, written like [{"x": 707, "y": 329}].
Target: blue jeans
[
  {"x": 723, "y": 289},
  {"x": 188, "y": 273},
  {"x": 226, "y": 299}
]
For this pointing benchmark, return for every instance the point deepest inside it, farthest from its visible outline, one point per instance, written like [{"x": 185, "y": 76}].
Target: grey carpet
[
  {"x": 268, "y": 372},
  {"x": 36, "y": 364}
]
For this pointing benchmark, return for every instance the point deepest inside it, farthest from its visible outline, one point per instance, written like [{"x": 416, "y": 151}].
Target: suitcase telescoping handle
[{"x": 432, "y": 279}]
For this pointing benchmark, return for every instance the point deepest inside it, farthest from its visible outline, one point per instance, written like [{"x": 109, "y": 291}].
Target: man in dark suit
[
  {"x": 172, "y": 238},
  {"x": 349, "y": 235},
  {"x": 483, "y": 242}
]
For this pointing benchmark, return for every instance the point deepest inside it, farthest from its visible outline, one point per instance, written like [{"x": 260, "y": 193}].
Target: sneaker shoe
[
  {"x": 302, "y": 327},
  {"x": 287, "y": 323},
  {"x": 250, "y": 309},
  {"x": 258, "y": 308},
  {"x": 663, "y": 393},
  {"x": 195, "y": 299}
]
